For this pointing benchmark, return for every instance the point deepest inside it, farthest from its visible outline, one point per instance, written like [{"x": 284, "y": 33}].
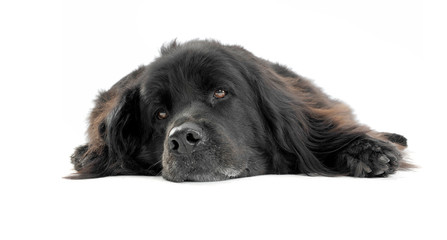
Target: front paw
[
  {"x": 77, "y": 159},
  {"x": 370, "y": 158}
]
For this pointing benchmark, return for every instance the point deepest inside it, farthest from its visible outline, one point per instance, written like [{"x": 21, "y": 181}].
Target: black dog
[{"x": 204, "y": 111}]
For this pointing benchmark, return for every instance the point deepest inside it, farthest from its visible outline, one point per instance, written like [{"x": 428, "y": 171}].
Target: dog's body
[{"x": 204, "y": 111}]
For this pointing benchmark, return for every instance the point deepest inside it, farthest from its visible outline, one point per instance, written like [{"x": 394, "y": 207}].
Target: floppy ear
[
  {"x": 123, "y": 126},
  {"x": 113, "y": 136}
]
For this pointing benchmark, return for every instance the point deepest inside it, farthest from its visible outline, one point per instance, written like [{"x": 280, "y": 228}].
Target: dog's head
[{"x": 200, "y": 112}]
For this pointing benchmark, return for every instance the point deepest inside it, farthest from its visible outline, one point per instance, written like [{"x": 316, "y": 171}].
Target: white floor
[{"x": 38, "y": 202}]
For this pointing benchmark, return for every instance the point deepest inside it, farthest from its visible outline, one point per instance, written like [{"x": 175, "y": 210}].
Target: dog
[{"x": 205, "y": 111}]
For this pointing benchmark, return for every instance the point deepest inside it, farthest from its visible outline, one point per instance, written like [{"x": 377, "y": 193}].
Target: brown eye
[
  {"x": 162, "y": 115},
  {"x": 220, "y": 93}
]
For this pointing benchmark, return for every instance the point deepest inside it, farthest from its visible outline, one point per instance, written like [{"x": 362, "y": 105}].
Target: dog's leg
[{"x": 349, "y": 148}]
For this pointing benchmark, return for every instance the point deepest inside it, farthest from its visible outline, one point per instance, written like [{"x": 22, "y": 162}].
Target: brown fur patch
[{"x": 105, "y": 103}]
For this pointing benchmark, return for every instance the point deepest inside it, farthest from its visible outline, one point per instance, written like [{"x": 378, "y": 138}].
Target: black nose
[{"x": 184, "y": 138}]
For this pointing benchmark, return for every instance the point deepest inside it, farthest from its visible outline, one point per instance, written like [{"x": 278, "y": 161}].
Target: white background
[{"x": 387, "y": 59}]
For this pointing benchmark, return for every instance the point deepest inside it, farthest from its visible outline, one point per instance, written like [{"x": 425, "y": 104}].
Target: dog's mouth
[
  {"x": 194, "y": 176},
  {"x": 188, "y": 169}
]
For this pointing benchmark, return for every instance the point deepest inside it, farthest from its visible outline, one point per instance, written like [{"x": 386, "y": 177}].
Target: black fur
[{"x": 272, "y": 121}]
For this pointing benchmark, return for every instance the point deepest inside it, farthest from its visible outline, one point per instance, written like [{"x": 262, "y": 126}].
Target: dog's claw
[{"x": 384, "y": 159}]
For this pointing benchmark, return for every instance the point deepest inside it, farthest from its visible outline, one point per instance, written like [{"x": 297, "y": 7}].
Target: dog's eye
[
  {"x": 162, "y": 114},
  {"x": 220, "y": 93}
]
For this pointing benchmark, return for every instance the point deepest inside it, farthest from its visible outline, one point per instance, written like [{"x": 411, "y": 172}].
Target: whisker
[{"x": 153, "y": 165}]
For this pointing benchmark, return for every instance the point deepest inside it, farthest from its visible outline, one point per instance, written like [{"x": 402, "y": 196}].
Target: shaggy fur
[{"x": 168, "y": 118}]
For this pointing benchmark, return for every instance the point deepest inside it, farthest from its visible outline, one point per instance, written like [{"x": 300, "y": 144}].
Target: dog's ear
[
  {"x": 123, "y": 125},
  {"x": 114, "y": 135}
]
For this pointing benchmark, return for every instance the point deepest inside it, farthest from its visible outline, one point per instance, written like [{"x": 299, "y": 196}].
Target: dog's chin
[
  {"x": 194, "y": 177},
  {"x": 172, "y": 172},
  {"x": 201, "y": 166}
]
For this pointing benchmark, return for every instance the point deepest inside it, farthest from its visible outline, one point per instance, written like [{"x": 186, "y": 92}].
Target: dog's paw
[{"x": 371, "y": 158}]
